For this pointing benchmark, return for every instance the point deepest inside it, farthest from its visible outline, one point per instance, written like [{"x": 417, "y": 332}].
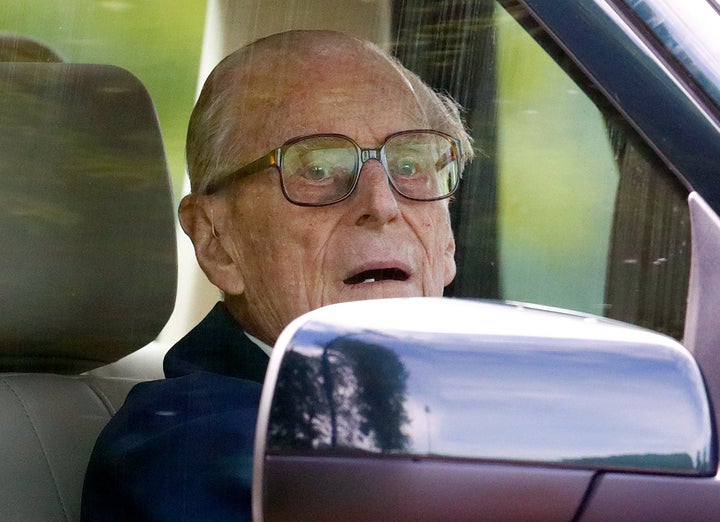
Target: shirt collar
[{"x": 263, "y": 346}]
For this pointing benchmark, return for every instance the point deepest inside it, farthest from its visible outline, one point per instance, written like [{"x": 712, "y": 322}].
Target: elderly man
[{"x": 320, "y": 172}]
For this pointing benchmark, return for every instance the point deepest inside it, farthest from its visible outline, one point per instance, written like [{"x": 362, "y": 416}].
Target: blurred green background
[
  {"x": 159, "y": 41},
  {"x": 557, "y": 180}
]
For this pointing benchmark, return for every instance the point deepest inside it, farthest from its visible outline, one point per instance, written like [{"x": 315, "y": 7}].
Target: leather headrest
[{"x": 88, "y": 265}]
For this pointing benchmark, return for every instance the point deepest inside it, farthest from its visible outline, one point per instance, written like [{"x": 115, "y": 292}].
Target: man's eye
[
  {"x": 317, "y": 173},
  {"x": 406, "y": 168}
]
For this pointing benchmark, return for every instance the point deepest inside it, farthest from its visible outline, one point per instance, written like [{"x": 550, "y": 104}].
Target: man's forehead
[
  {"x": 340, "y": 86},
  {"x": 281, "y": 96},
  {"x": 333, "y": 71}
]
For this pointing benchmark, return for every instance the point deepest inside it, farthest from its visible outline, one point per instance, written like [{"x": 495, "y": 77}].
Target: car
[{"x": 594, "y": 190}]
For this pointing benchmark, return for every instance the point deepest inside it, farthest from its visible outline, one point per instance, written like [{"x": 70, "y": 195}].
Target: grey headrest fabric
[{"x": 88, "y": 265}]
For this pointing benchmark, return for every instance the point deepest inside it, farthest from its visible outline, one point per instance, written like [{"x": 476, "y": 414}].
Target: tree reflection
[{"x": 348, "y": 395}]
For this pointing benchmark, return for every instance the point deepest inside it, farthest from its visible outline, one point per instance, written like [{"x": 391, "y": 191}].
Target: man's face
[{"x": 374, "y": 244}]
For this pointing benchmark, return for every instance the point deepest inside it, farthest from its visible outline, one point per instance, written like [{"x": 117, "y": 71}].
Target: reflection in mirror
[
  {"x": 412, "y": 406},
  {"x": 349, "y": 394},
  {"x": 446, "y": 378}
]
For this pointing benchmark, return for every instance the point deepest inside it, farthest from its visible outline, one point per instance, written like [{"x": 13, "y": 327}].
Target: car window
[
  {"x": 589, "y": 218},
  {"x": 565, "y": 205}
]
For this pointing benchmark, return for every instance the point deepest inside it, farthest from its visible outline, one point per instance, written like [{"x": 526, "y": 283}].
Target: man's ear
[
  {"x": 206, "y": 220},
  {"x": 449, "y": 261}
]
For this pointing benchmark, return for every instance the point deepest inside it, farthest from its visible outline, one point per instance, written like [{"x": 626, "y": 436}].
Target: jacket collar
[{"x": 218, "y": 345}]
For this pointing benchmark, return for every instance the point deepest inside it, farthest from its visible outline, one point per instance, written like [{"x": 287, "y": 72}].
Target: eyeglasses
[{"x": 322, "y": 169}]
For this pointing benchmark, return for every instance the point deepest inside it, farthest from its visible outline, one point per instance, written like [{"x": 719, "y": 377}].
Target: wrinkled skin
[{"x": 275, "y": 260}]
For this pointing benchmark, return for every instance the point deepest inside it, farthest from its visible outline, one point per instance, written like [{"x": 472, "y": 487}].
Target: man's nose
[{"x": 374, "y": 198}]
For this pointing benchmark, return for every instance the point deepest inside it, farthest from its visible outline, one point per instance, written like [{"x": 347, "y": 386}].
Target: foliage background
[{"x": 159, "y": 41}]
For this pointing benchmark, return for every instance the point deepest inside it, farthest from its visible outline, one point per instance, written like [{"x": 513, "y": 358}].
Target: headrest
[
  {"x": 19, "y": 48},
  {"x": 88, "y": 265}
]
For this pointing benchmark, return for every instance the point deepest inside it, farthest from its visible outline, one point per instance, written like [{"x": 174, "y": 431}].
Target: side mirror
[{"x": 410, "y": 409}]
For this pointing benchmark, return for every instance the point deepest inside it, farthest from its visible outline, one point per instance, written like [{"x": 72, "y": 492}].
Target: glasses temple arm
[{"x": 271, "y": 159}]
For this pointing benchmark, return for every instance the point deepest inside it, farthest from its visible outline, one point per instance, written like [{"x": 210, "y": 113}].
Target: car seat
[{"x": 88, "y": 268}]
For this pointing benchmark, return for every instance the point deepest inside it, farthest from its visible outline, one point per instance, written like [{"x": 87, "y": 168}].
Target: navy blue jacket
[{"x": 181, "y": 448}]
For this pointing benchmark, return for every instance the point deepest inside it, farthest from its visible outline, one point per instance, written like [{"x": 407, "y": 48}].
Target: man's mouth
[{"x": 380, "y": 274}]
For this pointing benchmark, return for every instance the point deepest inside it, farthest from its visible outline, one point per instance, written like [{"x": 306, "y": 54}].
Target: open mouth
[{"x": 381, "y": 274}]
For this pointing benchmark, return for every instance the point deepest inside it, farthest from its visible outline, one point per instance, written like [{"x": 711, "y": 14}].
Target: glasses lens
[
  {"x": 319, "y": 169},
  {"x": 422, "y": 165}
]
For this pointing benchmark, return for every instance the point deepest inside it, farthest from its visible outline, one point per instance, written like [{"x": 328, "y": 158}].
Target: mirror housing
[{"x": 401, "y": 408}]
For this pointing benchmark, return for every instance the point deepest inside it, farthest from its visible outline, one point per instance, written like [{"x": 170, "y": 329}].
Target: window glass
[
  {"x": 588, "y": 217},
  {"x": 564, "y": 205},
  {"x": 557, "y": 180},
  {"x": 159, "y": 41}
]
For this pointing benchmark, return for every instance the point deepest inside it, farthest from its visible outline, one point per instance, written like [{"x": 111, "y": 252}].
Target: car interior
[{"x": 98, "y": 203}]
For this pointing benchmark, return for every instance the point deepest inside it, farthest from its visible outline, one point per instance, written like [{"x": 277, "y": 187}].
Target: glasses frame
[{"x": 274, "y": 159}]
